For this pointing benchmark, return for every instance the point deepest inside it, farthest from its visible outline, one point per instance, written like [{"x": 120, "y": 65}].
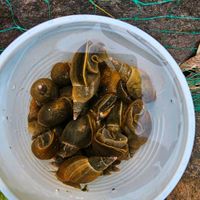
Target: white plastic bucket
[{"x": 158, "y": 165}]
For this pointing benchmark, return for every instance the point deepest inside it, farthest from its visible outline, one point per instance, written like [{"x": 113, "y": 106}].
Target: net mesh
[{"x": 175, "y": 23}]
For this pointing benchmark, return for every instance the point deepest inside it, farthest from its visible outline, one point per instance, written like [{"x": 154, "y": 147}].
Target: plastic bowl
[{"x": 157, "y": 166}]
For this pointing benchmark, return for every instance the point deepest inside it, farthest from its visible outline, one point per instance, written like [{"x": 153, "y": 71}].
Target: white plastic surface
[{"x": 154, "y": 170}]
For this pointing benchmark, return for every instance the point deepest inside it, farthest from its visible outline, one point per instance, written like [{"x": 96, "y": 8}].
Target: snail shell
[
  {"x": 111, "y": 143},
  {"x": 138, "y": 83},
  {"x": 137, "y": 125},
  {"x": 85, "y": 74},
  {"x": 45, "y": 146},
  {"x": 44, "y": 90},
  {"x": 80, "y": 169},
  {"x": 55, "y": 113},
  {"x": 103, "y": 106},
  {"x": 60, "y": 74},
  {"x": 76, "y": 135}
]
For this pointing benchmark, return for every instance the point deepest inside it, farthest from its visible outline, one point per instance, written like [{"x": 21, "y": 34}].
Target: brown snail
[
  {"x": 76, "y": 135},
  {"x": 56, "y": 112},
  {"x": 110, "y": 143},
  {"x": 103, "y": 106},
  {"x": 109, "y": 140},
  {"x": 137, "y": 125},
  {"x": 60, "y": 74},
  {"x": 80, "y": 169},
  {"x": 85, "y": 74},
  {"x": 137, "y": 82},
  {"x": 44, "y": 90},
  {"x": 45, "y": 146}
]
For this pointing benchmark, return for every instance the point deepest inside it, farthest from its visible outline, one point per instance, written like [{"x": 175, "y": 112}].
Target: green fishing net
[{"x": 137, "y": 12}]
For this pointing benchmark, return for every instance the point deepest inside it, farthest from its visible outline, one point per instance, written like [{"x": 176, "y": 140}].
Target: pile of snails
[{"x": 90, "y": 115}]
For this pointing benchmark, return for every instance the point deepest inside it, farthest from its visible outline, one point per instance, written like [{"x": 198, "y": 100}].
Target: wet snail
[
  {"x": 85, "y": 80},
  {"x": 109, "y": 140},
  {"x": 76, "y": 135},
  {"x": 44, "y": 90},
  {"x": 55, "y": 113},
  {"x": 90, "y": 115},
  {"x": 45, "y": 146},
  {"x": 137, "y": 125},
  {"x": 137, "y": 82},
  {"x": 60, "y": 74},
  {"x": 80, "y": 169}
]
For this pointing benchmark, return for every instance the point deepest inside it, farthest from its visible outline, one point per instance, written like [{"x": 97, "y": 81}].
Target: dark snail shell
[
  {"x": 45, "y": 146},
  {"x": 60, "y": 74},
  {"x": 109, "y": 140},
  {"x": 76, "y": 135},
  {"x": 44, "y": 90},
  {"x": 33, "y": 111},
  {"x": 55, "y": 113},
  {"x": 80, "y": 169}
]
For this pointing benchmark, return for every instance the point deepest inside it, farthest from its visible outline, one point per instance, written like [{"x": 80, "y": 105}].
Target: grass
[{"x": 2, "y": 197}]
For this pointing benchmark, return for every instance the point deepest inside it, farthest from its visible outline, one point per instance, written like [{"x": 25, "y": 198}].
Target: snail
[
  {"x": 85, "y": 74},
  {"x": 103, "y": 106},
  {"x": 55, "y": 112},
  {"x": 44, "y": 90},
  {"x": 60, "y": 74},
  {"x": 80, "y": 169},
  {"x": 45, "y": 146},
  {"x": 137, "y": 125},
  {"x": 137, "y": 81},
  {"x": 109, "y": 139},
  {"x": 76, "y": 135}
]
